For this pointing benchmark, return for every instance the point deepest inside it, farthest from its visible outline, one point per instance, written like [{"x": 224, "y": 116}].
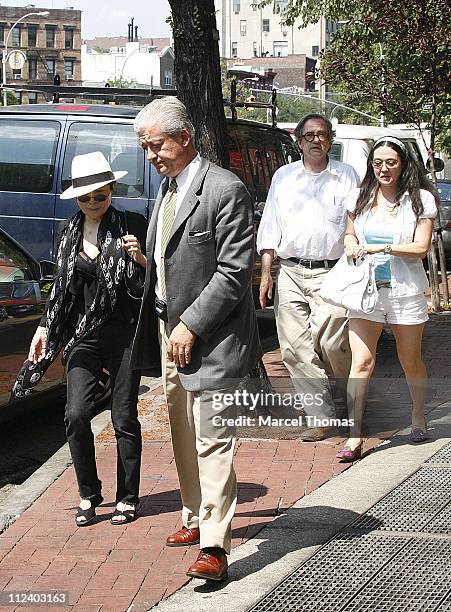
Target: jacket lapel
[
  {"x": 152, "y": 231},
  {"x": 191, "y": 198}
]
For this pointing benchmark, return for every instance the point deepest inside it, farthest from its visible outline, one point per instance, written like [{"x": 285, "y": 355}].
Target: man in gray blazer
[{"x": 198, "y": 308}]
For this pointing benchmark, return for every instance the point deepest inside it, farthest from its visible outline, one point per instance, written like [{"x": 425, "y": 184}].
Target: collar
[
  {"x": 331, "y": 168},
  {"x": 188, "y": 172}
]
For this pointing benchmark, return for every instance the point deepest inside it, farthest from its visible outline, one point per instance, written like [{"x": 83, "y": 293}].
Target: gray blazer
[{"x": 208, "y": 272}]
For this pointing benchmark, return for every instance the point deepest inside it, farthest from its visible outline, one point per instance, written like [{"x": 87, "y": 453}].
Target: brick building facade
[{"x": 51, "y": 44}]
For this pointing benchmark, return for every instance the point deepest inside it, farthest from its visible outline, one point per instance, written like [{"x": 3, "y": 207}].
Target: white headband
[{"x": 392, "y": 139}]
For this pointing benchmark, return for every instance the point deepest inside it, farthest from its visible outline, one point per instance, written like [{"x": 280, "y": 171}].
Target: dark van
[{"x": 38, "y": 142}]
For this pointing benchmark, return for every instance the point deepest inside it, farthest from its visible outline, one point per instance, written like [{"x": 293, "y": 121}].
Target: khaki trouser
[
  {"x": 312, "y": 334},
  {"x": 203, "y": 455}
]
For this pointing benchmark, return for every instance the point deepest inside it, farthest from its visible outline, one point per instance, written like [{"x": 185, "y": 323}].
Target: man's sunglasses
[{"x": 100, "y": 197}]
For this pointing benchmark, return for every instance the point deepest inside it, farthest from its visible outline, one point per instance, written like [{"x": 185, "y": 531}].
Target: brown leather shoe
[
  {"x": 315, "y": 434},
  {"x": 184, "y": 537},
  {"x": 211, "y": 564}
]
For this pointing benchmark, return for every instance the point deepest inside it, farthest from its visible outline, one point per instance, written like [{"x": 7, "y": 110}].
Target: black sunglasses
[{"x": 100, "y": 197}]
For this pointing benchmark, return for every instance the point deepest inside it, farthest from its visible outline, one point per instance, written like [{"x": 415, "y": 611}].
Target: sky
[{"x": 110, "y": 17}]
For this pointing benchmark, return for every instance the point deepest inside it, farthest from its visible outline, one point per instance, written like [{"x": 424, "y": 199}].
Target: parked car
[
  {"x": 38, "y": 142},
  {"x": 22, "y": 298},
  {"x": 444, "y": 190}
]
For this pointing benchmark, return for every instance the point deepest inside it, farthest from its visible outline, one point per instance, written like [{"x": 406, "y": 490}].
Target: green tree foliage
[{"x": 414, "y": 39}]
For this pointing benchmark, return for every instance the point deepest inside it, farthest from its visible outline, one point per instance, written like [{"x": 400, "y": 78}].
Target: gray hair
[
  {"x": 168, "y": 113},
  {"x": 300, "y": 126}
]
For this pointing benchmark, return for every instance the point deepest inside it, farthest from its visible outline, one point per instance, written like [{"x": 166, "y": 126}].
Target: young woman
[
  {"x": 91, "y": 317},
  {"x": 390, "y": 216}
]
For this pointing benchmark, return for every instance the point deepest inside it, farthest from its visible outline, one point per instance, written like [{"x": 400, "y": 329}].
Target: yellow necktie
[{"x": 170, "y": 202}]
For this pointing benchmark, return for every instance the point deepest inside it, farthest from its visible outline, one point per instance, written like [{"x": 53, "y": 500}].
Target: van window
[
  {"x": 27, "y": 155},
  {"x": 118, "y": 143},
  {"x": 336, "y": 151},
  {"x": 290, "y": 152},
  {"x": 236, "y": 164}
]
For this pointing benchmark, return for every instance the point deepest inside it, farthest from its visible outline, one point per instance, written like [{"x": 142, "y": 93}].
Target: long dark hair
[{"x": 412, "y": 179}]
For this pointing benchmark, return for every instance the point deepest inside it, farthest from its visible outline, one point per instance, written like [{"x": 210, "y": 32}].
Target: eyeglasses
[
  {"x": 100, "y": 197},
  {"x": 390, "y": 163},
  {"x": 310, "y": 136}
]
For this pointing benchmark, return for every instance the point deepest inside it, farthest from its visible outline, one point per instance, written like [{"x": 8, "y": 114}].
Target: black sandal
[
  {"x": 90, "y": 514},
  {"x": 129, "y": 516}
]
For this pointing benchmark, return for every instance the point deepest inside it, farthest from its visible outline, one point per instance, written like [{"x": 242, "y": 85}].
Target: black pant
[{"x": 110, "y": 349}]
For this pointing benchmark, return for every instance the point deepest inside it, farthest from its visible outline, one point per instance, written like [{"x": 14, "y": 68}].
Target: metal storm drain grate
[
  {"x": 445, "y": 606},
  {"x": 333, "y": 575},
  {"x": 415, "y": 580},
  {"x": 441, "y": 456},
  {"x": 440, "y": 523},
  {"x": 410, "y": 506}
]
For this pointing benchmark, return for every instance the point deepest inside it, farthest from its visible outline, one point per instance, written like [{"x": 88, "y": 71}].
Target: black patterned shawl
[{"x": 111, "y": 265}]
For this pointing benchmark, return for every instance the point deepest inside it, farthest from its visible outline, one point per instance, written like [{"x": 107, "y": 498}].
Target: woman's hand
[
  {"x": 38, "y": 345},
  {"x": 353, "y": 248},
  {"x": 133, "y": 248}
]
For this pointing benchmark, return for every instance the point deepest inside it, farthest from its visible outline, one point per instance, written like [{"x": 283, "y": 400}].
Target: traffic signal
[{"x": 309, "y": 81}]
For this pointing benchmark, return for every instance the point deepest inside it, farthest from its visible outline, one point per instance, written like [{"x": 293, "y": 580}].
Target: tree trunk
[
  {"x": 198, "y": 74},
  {"x": 198, "y": 79}
]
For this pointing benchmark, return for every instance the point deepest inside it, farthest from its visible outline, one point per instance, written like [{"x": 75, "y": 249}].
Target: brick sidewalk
[{"x": 108, "y": 568}]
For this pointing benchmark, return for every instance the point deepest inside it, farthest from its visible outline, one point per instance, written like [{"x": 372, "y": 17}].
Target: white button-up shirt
[
  {"x": 184, "y": 181},
  {"x": 305, "y": 213}
]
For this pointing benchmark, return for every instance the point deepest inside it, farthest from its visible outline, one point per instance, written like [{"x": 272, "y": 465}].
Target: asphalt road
[{"x": 28, "y": 441}]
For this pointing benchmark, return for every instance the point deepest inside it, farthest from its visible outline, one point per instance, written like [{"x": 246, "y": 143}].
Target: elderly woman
[
  {"x": 390, "y": 216},
  {"x": 91, "y": 317}
]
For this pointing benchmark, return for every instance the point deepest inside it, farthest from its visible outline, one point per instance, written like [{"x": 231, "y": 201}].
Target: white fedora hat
[{"x": 90, "y": 172}]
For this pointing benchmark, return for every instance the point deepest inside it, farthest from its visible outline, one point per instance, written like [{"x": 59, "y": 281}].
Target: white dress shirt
[
  {"x": 184, "y": 181},
  {"x": 305, "y": 213}
]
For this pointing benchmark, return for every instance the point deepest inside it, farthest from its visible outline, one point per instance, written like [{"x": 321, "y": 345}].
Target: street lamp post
[{"x": 5, "y": 51}]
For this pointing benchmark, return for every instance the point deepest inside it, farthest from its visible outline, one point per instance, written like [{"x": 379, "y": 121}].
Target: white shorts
[{"x": 407, "y": 310}]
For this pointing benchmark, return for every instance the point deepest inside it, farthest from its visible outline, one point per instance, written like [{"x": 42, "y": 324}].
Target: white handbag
[{"x": 351, "y": 284}]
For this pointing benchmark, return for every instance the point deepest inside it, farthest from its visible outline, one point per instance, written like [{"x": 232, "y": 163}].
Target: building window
[
  {"x": 17, "y": 74},
  {"x": 265, "y": 25},
  {"x": 234, "y": 49},
  {"x": 32, "y": 97},
  {"x": 50, "y": 67},
  {"x": 2, "y": 35},
  {"x": 15, "y": 36},
  {"x": 254, "y": 48},
  {"x": 69, "y": 69},
  {"x": 315, "y": 51},
  {"x": 280, "y": 5},
  {"x": 280, "y": 48},
  {"x": 32, "y": 36},
  {"x": 243, "y": 27},
  {"x": 50, "y": 38},
  {"x": 236, "y": 6},
  {"x": 168, "y": 77},
  {"x": 32, "y": 69},
  {"x": 68, "y": 38}
]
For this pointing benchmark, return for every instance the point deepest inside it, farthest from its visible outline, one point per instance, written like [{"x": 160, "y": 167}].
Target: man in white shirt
[{"x": 303, "y": 224}]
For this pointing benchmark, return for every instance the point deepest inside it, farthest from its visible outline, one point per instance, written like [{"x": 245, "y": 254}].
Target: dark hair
[
  {"x": 300, "y": 126},
  {"x": 412, "y": 179}
]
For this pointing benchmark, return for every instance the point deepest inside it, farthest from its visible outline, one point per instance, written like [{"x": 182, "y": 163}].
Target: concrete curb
[
  {"x": 28, "y": 492},
  {"x": 261, "y": 563}
]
